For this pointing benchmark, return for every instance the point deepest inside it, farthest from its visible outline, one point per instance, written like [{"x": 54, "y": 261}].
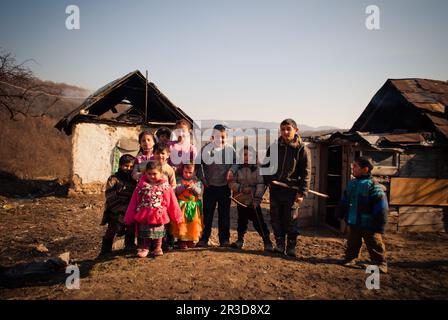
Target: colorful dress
[
  {"x": 191, "y": 206},
  {"x": 151, "y": 207}
]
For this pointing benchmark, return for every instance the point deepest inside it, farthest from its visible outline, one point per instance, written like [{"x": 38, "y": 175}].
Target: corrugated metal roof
[{"x": 429, "y": 96}]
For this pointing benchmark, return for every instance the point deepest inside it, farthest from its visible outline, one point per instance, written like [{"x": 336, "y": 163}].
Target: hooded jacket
[{"x": 293, "y": 167}]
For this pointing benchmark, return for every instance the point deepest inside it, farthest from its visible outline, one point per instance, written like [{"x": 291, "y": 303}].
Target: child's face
[
  {"x": 154, "y": 175},
  {"x": 247, "y": 157},
  {"x": 288, "y": 132},
  {"x": 219, "y": 137},
  {"x": 127, "y": 167},
  {"x": 182, "y": 132},
  {"x": 357, "y": 171},
  {"x": 164, "y": 138},
  {"x": 188, "y": 172},
  {"x": 146, "y": 143},
  {"x": 162, "y": 156}
]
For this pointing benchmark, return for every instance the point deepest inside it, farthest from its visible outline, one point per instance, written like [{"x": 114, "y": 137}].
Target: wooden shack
[
  {"x": 107, "y": 124},
  {"x": 404, "y": 129}
]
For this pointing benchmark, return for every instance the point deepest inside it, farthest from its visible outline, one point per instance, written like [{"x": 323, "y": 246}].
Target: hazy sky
[{"x": 314, "y": 61}]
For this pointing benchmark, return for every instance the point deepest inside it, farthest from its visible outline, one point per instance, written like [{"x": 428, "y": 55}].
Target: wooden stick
[
  {"x": 284, "y": 185},
  {"x": 238, "y": 202}
]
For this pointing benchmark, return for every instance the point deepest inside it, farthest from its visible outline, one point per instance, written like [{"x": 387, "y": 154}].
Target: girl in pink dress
[{"x": 153, "y": 204}]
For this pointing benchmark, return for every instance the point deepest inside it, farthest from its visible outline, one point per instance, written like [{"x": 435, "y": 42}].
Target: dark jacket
[
  {"x": 294, "y": 164},
  {"x": 119, "y": 189}
]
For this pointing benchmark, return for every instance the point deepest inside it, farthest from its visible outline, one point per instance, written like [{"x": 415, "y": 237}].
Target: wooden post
[{"x": 146, "y": 97}]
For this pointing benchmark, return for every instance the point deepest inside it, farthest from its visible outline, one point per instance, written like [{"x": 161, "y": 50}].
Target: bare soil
[{"x": 418, "y": 263}]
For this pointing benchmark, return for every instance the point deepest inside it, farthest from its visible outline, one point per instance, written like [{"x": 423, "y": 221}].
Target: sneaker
[
  {"x": 238, "y": 244},
  {"x": 142, "y": 253}
]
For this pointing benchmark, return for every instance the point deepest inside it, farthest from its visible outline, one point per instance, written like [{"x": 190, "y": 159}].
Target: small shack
[
  {"x": 404, "y": 129},
  {"x": 107, "y": 124}
]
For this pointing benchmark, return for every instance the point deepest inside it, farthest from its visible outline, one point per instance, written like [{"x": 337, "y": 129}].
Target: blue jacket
[{"x": 364, "y": 205}]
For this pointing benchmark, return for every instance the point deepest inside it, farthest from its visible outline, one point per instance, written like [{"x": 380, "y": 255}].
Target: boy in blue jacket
[{"x": 365, "y": 208}]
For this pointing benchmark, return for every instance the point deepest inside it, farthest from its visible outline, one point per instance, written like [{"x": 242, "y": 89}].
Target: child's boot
[
  {"x": 291, "y": 247},
  {"x": 129, "y": 242},
  {"x": 238, "y": 244},
  {"x": 279, "y": 245},
  {"x": 267, "y": 245},
  {"x": 157, "y": 248},
  {"x": 106, "y": 246}
]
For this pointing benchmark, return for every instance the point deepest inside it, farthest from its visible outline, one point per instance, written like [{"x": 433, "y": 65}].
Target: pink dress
[{"x": 151, "y": 207}]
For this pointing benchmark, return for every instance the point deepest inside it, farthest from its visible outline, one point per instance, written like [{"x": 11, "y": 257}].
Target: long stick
[
  {"x": 284, "y": 185},
  {"x": 238, "y": 202},
  {"x": 146, "y": 97}
]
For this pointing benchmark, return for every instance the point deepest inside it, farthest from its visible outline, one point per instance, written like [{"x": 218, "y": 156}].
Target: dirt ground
[{"x": 418, "y": 263}]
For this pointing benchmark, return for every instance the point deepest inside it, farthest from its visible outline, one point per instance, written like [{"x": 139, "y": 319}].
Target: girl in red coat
[{"x": 153, "y": 204}]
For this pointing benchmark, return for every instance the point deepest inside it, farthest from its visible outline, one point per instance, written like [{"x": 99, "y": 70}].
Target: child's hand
[
  {"x": 299, "y": 199},
  {"x": 229, "y": 177}
]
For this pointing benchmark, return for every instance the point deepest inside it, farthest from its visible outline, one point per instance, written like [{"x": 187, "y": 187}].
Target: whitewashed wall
[{"x": 93, "y": 146}]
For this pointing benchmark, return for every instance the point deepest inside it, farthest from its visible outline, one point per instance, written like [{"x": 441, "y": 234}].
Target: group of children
[{"x": 168, "y": 199}]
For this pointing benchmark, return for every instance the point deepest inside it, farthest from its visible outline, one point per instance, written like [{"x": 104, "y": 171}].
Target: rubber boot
[
  {"x": 291, "y": 247},
  {"x": 106, "y": 246},
  {"x": 267, "y": 245},
  {"x": 129, "y": 241},
  {"x": 238, "y": 244},
  {"x": 279, "y": 245}
]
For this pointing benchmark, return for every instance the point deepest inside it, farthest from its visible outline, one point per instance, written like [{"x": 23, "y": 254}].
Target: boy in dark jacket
[
  {"x": 293, "y": 169},
  {"x": 365, "y": 208},
  {"x": 119, "y": 188}
]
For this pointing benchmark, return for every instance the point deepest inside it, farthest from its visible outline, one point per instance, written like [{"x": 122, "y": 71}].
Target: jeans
[{"x": 217, "y": 196}]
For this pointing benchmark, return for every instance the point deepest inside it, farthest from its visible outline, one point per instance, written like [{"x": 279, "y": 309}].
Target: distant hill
[
  {"x": 261, "y": 124},
  {"x": 71, "y": 97}
]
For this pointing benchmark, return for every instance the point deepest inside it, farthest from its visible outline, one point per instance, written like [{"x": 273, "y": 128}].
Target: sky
[{"x": 266, "y": 60}]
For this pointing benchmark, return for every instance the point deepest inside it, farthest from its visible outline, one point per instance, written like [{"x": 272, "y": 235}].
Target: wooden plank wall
[
  {"x": 419, "y": 191},
  {"x": 422, "y": 219}
]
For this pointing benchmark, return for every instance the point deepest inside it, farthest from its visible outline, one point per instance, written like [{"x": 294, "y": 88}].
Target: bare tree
[{"x": 20, "y": 91}]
